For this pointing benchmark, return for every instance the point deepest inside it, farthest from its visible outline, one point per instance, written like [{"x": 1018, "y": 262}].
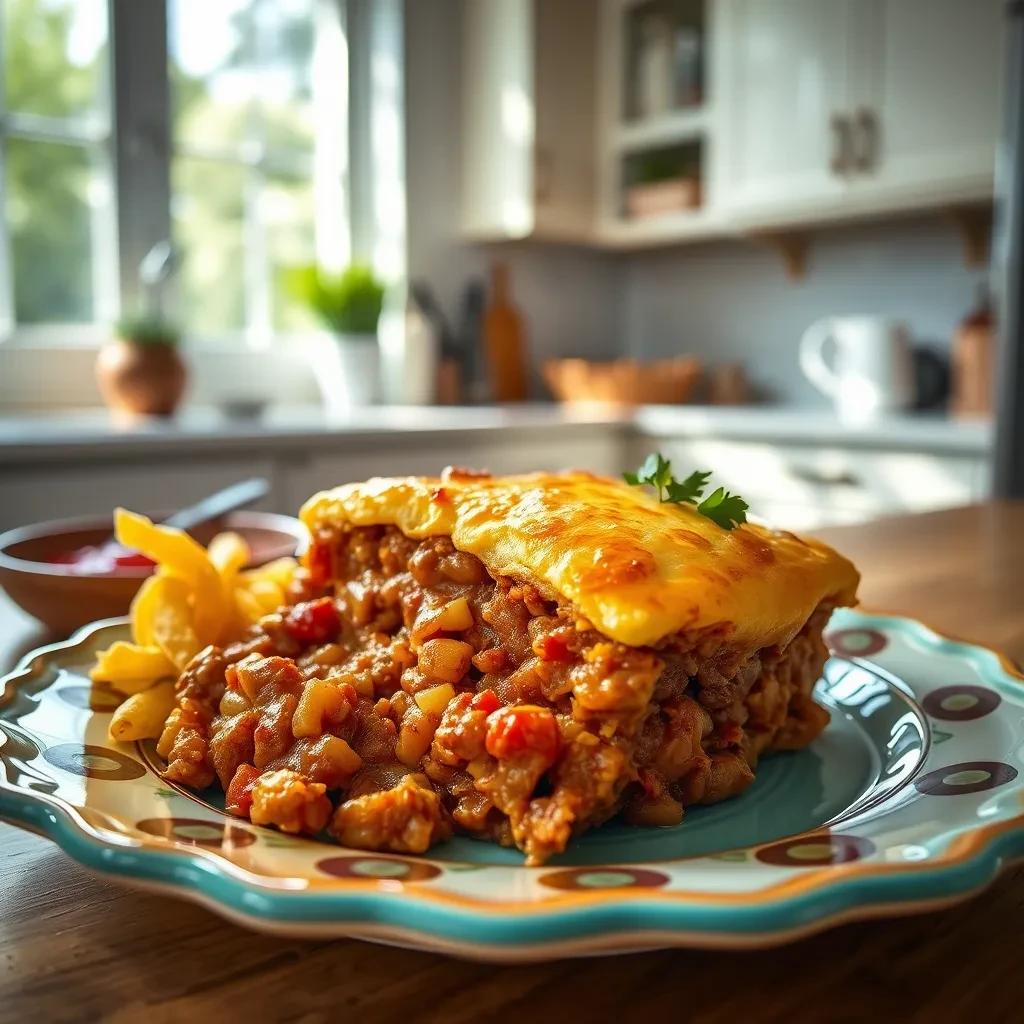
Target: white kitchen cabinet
[
  {"x": 528, "y": 100},
  {"x": 780, "y": 75},
  {"x": 599, "y": 451},
  {"x": 831, "y": 109},
  {"x": 806, "y": 487},
  {"x": 925, "y": 83},
  {"x": 87, "y": 488}
]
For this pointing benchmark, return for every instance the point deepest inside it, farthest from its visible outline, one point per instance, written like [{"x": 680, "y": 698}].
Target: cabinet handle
[
  {"x": 842, "y": 144},
  {"x": 865, "y": 139}
]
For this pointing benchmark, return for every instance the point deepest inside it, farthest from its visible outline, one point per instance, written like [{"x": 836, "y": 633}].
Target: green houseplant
[
  {"x": 139, "y": 370},
  {"x": 349, "y": 305}
]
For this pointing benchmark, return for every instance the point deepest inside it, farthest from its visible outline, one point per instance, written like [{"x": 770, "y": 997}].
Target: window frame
[
  {"x": 137, "y": 153},
  {"x": 96, "y": 136}
]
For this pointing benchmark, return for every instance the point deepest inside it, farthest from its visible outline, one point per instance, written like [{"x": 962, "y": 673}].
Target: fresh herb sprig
[{"x": 725, "y": 509}]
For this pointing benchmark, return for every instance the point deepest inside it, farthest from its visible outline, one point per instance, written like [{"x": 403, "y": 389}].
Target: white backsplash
[{"x": 732, "y": 301}]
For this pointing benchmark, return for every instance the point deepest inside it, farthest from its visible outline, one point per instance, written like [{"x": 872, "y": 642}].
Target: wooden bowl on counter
[
  {"x": 64, "y": 599},
  {"x": 623, "y": 381}
]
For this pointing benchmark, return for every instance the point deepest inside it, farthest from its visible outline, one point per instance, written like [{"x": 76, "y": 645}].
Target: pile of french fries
[{"x": 197, "y": 596}]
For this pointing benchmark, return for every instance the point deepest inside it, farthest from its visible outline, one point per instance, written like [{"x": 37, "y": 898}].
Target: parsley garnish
[{"x": 721, "y": 507}]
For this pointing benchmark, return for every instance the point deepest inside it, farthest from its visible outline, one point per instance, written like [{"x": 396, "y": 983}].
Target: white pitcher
[{"x": 872, "y": 365}]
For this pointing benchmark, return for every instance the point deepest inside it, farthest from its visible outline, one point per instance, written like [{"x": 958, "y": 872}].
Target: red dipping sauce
[{"x": 94, "y": 560}]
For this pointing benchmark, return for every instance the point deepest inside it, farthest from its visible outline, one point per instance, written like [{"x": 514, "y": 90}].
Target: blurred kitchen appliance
[
  {"x": 973, "y": 347},
  {"x": 470, "y": 341},
  {"x": 872, "y": 368}
]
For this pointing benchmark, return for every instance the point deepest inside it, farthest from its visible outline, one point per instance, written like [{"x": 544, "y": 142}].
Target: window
[
  {"x": 237, "y": 152},
  {"x": 57, "y": 249},
  {"x": 244, "y": 99}
]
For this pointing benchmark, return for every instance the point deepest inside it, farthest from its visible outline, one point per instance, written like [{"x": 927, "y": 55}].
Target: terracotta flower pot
[{"x": 145, "y": 380}]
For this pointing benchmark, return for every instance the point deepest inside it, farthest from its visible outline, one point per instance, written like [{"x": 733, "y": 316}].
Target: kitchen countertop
[
  {"x": 94, "y": 434},
  {"x": 81, "y": 947}
]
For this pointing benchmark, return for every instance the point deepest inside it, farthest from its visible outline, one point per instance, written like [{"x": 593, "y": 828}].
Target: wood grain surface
[{"x": 77, "y": 947}]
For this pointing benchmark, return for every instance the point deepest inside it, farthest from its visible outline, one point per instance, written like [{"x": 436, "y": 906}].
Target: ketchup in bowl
[{"x": 94, "y": 560}]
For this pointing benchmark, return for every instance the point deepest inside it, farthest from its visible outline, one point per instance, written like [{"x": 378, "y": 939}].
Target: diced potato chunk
[
  {"x": 337, "y": 755},
  {"x": 435, "y": 699},
  {"x": 320, "y": 699},
  {"x": 448, "y": 660},
  {"x": 414, "y": 737},
  {"x": 453, "y": 617}
]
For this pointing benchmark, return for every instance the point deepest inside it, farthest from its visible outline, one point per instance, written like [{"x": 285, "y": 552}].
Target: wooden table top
[{"x": 78, "y": 947}]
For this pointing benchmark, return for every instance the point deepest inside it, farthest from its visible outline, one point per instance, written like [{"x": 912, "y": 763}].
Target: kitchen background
[{"x": 695, "y": 181}]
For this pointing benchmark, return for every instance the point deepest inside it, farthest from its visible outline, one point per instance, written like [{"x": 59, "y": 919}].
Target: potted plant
[
  {"x": 665, "y": 181},
  {"x": 349, "y": 304},
  {"x": 139, "y": 370}
]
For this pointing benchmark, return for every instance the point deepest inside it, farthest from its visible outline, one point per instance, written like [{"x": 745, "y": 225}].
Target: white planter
[
  {"x": 410, "y": 353},
  {"x": 347, "y": 370}
]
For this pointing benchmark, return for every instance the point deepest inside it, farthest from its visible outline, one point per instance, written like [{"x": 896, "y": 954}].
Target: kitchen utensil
[{"x": 871, "y": 371}]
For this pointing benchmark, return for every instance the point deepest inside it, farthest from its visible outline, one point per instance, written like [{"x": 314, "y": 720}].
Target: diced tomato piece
[
  {"x": 522, "y": 728},
  {"x": 318, "y": 561},
  {"x": 238, "y": 799},
  {"x": 485, "y": 700},
  {"x": 652, "y": 784},
  {"x": 313, "y": 622},
  {"x": 553, "y": 647}
]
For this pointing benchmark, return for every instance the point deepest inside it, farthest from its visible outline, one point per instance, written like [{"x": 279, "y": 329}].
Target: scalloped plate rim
[{"x": 588, "y": 928}]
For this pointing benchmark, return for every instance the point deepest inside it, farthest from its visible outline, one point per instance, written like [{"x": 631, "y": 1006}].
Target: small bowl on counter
[
  {"x": 64, "y": 597},
  {"x": 623, "y": 381}
]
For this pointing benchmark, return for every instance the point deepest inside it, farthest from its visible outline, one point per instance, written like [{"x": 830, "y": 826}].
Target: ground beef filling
[{"x": 406, "y": 693}]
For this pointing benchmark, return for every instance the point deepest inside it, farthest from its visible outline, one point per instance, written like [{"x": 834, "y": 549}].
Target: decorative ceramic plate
[{"x": 912, "y": 798}]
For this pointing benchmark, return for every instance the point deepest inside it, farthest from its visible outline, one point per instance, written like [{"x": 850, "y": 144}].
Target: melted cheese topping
[{"x": 637, "y": 569}]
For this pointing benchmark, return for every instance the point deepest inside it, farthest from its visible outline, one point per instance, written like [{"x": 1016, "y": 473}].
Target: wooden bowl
[
  {"x": 624, "y": 381},
  {"x": 64, "y": 600}
]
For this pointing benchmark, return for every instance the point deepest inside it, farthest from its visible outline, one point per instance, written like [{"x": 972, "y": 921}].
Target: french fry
[
  {"x": 280, "y": 570},
  {"x": 180, "y": 556},
  {"x": 268, "y": 593},
  {"x": 229, "y": 553},
  {"x": 249, "y": 609},
  {"x": 142, "y": 715},
  {"x": 173, "y": 623},
  {"x": 131, "y": 667},
  {"x": 143, "y": 609}
]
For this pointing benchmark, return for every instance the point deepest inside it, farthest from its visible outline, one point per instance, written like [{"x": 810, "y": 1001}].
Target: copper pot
[{"x": 146, "y": 380}]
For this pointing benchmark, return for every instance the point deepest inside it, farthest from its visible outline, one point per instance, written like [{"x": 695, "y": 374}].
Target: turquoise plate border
[{"x": 622, "y": 921}]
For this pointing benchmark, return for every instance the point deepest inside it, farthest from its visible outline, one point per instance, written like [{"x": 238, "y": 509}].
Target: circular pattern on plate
[
  {"x": 960, "y": 703},
  {"x": 816, "y": 851},
  {"x": 604, "y": 878},
  {"x": 856, "y": 643},
  {"x": 966, "y": 777},
  {"x": 197, "y": 832},
  {"x": 92, "y": 762},
  {"x": 89, "y": 698},
  {"x": 371, "y": 868}
]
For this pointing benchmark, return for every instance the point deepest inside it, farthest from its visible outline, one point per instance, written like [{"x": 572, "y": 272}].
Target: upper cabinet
[
  {"x": 780, "y": 75},
  {"x": 842, "y": 108},
  {"x": 528, "y": 102},
  {"x": 629, "y": 123},
  {"x": 924, "y": 103}
]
